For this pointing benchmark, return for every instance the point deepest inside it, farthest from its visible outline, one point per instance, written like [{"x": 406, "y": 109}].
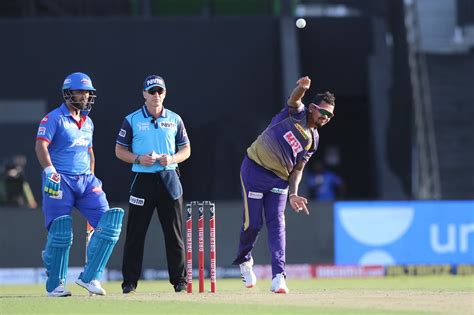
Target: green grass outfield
[{"x": 398, "y": 295}]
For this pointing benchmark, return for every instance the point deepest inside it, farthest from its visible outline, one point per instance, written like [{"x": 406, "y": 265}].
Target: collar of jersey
[
  {"x": 65, "y": 110},
  {"x": 147, "y": 114}
]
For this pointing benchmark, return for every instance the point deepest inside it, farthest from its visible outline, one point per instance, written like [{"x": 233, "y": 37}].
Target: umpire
[{"x": 154, "y": 140}]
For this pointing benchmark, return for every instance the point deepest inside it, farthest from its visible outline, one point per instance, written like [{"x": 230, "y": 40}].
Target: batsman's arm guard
[
  {"x": 105, "y": 236},
  {"x": 56, "y": 252}
]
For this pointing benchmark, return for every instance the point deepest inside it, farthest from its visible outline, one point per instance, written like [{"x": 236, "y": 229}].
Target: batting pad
[
  {"x": 56, "y": 252},
  {"x": 105, "y": 236}
]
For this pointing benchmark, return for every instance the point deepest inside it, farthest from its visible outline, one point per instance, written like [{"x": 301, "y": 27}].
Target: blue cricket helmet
[{"x": 78, "y": 81}]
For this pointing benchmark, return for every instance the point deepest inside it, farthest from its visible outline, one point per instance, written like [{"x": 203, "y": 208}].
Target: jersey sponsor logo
[
  {"x": 88, "y": 128},
  {"x": 143, "y": 126},
  {"x": 44, "y": 120},
  {"x": 136, "y": 201},
  {"x": 293, "y": 142},
  {"x": 165, "y": 124},
  {"x": 302, "y": 131},
  {"x": 279, "y": 191},
  {"x": 255, "y": 195},
  {"x": 80, "y": 142},
  {"x": 41, "y": 131},
  {"x": 68, "y": 124}
]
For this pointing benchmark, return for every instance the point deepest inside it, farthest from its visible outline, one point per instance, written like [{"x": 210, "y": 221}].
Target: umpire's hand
[
  {"x": 165, "y": 160},
  {"x": 149, "y": 159}
]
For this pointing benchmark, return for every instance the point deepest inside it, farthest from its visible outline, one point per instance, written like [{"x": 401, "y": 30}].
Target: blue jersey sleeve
[
  {"x": 125, "y": 134},
  {"x": 46, "y": 129}
]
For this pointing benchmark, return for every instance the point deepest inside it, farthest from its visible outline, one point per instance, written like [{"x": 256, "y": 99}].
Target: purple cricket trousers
[{"x": 264, "y": 196}]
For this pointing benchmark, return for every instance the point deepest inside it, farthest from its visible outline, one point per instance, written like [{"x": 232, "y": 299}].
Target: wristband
[
  {"x": 291, "y": 195},
  {"x": 50, "y": 169},
  {"x": 137, "y": 159}
]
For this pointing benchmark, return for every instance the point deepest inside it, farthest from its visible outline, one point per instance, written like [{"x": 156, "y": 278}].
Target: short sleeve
[
  {"x": 181, "y": 134},
  {"x": 46, "y": 129},
  {"x": 125, "y": 134}
]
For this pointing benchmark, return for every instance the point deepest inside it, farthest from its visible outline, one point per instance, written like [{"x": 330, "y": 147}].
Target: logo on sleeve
[
  {"x": 44, "y": 120},
  {"x": 293, "y": 142},
  {"x": 41, "y": 131},
  {"x": 136, "y": 201},
  {"x": 122, "y": 133}
]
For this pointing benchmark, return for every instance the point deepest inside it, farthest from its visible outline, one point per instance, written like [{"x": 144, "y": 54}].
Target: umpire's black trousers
[{"x": 147, "y": 194}]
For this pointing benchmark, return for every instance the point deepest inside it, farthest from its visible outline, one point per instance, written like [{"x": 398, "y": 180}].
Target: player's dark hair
[{"x": 325, "y": 97}]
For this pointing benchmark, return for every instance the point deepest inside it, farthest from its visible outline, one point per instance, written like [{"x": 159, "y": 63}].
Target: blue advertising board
[{"x": 411, "y": 232}]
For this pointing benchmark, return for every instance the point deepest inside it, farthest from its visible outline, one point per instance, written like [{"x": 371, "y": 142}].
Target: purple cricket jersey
[{"x": 286, "y": 141}]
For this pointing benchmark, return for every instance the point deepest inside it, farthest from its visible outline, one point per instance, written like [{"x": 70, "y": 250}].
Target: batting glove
[{"x": 52, "y": 185}]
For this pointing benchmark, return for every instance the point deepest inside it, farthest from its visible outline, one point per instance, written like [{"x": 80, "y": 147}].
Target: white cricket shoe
[
  {"x": 93, "y": 287},
  {"x": 60, "y": 291},
  {"x": 247, "y": 274},
  {"x": 279, "y": 284}
]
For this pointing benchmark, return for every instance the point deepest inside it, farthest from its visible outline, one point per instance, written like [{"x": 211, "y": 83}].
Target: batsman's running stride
[
  {"x": 271, "y": 171},
  {"x": 64, "y": 150}
]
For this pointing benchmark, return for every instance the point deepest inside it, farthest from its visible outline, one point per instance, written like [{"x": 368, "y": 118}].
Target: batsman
[{"x": 64, "y": 149}]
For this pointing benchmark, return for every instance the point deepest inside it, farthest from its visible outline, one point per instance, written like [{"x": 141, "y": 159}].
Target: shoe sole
[
  {"x": 281, "y": 291},
  {"x": 59, "y": 295},
  {"x": 248, "y": 286},
  {"x": 90, "y": 292}
]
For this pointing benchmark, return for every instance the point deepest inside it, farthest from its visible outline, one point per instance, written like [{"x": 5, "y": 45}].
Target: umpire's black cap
[{"x": 152, "y": 81}]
